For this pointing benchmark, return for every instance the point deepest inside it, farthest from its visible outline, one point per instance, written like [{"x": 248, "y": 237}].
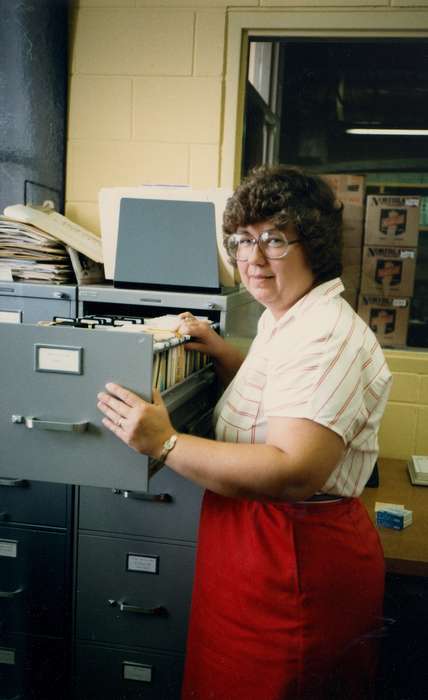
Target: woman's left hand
[{"x": 142, "y": 425}]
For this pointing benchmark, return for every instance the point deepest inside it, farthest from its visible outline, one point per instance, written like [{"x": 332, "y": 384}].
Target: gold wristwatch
[{"x": 167, "y": 446}]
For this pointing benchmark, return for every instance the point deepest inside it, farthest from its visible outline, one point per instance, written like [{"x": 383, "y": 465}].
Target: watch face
[{"x": 170, "y": 442}]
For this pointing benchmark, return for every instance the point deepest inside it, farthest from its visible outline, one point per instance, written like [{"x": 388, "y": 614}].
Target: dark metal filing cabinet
[
  {"x": 131, "y": 625},
  {"x": 35, "y": 539},
  {"x": 33, "y": 581},
  {"x": 142, "y": 601},
  {"x": 170, "y": 510},
  {"x": 33, "y": 668},
  {"x": 126, "y": 673}
]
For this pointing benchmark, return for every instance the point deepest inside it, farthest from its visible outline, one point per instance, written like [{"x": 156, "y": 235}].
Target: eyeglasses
[{"x": 273, "y": 245}]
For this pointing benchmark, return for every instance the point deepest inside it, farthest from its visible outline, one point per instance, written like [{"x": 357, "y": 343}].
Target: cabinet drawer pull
[
  {"x": 13, "y": 482},
  {"x": 158, "y": 611},
  {"x": 38, "y": 424},
  {"x": 144, "y": 496},
  {"x": 11, "y": 594}
]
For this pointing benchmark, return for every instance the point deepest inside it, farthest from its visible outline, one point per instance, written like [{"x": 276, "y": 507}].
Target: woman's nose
[{"x": 256, "y": 255}]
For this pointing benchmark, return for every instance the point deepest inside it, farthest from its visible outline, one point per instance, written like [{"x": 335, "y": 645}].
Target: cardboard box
[
  {"x": 392, "y": 221},
  {"x": 350, "y": 189},
  {"x": 388, "y": 271},
  {"x": 353, "y": 225},
  {"x": 388, "y": 317}
]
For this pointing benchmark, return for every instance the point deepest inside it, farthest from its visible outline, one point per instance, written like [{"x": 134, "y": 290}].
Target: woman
[{"x": 288, "y": 589}]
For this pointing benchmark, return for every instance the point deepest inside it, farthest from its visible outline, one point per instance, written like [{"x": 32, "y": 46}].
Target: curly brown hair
[{"x": 281, "y": 195}]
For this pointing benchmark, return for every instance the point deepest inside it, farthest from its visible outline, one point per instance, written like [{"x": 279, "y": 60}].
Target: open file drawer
[{"x": 50, "y": 427}]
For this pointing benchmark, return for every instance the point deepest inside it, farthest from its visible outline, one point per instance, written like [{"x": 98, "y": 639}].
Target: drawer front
[
  {"x": 169, "y": 511},
  {"x": 134, "y": 592},
  {"x": 50, "y": 427},
  {"x": 34, "y": 502},
  {"x": 33, "y": 668},
  {"x": 33, "y": 589},
  {"x": 129, "y": 674},
  {"x": 28, "y": 310}
]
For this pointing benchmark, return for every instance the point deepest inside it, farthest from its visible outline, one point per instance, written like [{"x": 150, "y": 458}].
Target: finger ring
[{"x": 119, "y": 422}]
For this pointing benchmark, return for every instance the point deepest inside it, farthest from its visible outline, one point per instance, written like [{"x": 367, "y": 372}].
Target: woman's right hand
[{"x": 204, "y": 337}]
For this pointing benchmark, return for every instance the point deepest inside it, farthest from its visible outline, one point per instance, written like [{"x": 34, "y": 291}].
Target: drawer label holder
[
  {"x": 133, "y": 671},
  {"x": 142, "y": 563}
]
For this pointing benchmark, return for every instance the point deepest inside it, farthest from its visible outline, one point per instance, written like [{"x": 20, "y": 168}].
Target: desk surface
[{"x": 406, "y": 551}]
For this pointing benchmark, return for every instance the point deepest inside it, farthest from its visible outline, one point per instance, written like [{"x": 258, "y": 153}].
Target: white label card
[
  {"x": 138, "y": 562},
  {"x": 7, "y": 656},
  {"x": 137, "y": 672},
  {"x": 10, "y": 316},
  {"x": 8, "y": 548},
  {"x": 399, "y": 302},
  {"x": 58, "y": 359}
]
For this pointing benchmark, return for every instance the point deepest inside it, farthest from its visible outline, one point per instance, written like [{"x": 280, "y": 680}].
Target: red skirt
[{"x": 287, "y": 602}]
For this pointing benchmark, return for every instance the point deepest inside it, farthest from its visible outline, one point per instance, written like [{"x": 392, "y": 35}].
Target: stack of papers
[
  {"x": 29, "y": 254},
  {"x": 418, "y": 469}
]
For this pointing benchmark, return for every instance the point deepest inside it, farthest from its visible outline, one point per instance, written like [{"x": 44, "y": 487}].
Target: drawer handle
[
  {"x": 11, "y": 594},
  {"x": 13, "y": 482},
  {"x": 144, "y": 496},
  {"x": 37, "y": 423},
  {"x": 158, "y": 611}
]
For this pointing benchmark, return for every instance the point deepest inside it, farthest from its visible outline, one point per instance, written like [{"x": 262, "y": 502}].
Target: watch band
[{"x": 167, "y": 446}]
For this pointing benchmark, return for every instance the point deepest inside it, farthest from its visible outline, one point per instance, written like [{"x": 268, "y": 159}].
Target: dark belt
[{"x": 319, "y": 497}]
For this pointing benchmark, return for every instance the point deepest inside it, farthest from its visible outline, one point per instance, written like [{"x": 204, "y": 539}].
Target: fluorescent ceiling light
[{"x": 388, "y": 132}]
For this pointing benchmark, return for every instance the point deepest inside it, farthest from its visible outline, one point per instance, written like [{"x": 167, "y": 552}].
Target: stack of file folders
[
  {"x": 29, "y": 254},
  {"x": 418, "y": 469},
  {"x": 172, "y": 363}
]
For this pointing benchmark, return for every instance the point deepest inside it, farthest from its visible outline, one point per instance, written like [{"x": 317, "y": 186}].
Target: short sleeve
[{"x": 336, "y": 377}]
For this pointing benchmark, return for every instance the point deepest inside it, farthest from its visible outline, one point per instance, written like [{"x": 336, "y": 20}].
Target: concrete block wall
[{"x": 148, "y": 80}]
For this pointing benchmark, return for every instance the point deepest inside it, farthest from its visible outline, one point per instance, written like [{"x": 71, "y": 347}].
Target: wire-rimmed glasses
[{"x": 273, "y": 245}]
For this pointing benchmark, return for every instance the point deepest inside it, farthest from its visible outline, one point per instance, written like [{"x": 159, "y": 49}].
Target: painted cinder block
[
  {"x": 209, "y": 43},
  {"x": 405, "y": 387},
  {"x": 204, "y": 165},
  {"x": 100, "y": 107},
  {"x": 398, "y": 431},
  {"x": 133, "y": 41},
  {"x": 177, "y": 110},
  {"x": 96, "y": 164},
  {"x": 421, "y": 442}
]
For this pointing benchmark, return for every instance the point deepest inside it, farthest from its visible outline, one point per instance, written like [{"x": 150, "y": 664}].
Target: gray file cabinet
[
  {"x": 25, "y": 302},
  {"x": 134, "y": 538},
  {"x": 35, "y": 539}
]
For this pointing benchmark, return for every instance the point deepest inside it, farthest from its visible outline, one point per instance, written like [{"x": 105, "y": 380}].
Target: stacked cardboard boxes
[
  {"x": 349, "y": 189},
  {"x": 388, "y": 266}
]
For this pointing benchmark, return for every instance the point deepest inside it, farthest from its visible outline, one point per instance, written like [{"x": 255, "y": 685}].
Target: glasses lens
[
  {"x": 273, "y": 244},
  {"x": 239, "y": 246}
]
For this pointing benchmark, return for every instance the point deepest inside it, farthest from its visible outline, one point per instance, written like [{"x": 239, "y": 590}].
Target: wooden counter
[{"x": 406, "y": 551}]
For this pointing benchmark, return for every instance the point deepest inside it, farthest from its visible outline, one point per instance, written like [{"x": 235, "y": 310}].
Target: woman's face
[{"x": 277, "y": 284}]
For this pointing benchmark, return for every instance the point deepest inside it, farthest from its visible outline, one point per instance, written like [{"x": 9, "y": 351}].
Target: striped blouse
[{"x": 319, "y": 361}]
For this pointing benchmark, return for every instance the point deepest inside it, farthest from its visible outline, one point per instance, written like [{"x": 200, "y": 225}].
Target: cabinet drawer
[
  {"x": 33, "y": 586},
  {"x": 107, "y": 673},
  {"x": 34, "y": 502},
  {"x": 169, "y": 511},
  {"x": 33, "y": 668},
  {"x": 134, "y": 592}
]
